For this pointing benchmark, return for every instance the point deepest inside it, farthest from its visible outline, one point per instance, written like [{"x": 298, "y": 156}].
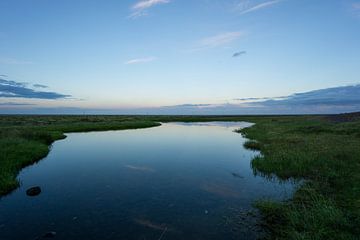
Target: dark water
[{"x": 177, "y": 181}]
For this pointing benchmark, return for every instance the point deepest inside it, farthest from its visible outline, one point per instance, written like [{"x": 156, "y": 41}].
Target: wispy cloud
[
  {"x": 356, "y": 8},
  {"x": 40, "y": 86},
  {"x": 13, "y": 89},
  {"x": 220, "y": 39},
  {"x": 15, "y": 104},
  {"x": 346, "y": 95},
  {"x": 140, "y": 60},
  {"x": 257, "y": 99},
  {"x": 247, "y": 6},
  {"x": 328, "y": 100},
  {"x": 341, "y": 96},
  {"x": 238, "y": 54},
  {"x": 140, "y": 8},
  {"x": 12, "y": 61},
  {"x": 190, "y": 105},
  {"x": 12, "y": 83}
]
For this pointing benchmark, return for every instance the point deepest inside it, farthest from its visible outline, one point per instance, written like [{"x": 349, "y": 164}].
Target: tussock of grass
[
  {"x": 308, "y": 216},
  {"x": 252, "y": 145}
]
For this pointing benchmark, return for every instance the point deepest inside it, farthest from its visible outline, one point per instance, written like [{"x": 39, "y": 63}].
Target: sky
[{"x": 179, "y": 56}]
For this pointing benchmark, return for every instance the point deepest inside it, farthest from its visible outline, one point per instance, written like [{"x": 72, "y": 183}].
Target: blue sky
[{"x": 146, "y": 56}]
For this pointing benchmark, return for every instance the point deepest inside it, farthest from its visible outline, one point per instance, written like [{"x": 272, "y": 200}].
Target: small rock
[
  {"x": 206, "y": 211},
  {"x": 34, "y": 191},
  {"x": 74, "y": 218},
  {"x": 49, "y": 235}
]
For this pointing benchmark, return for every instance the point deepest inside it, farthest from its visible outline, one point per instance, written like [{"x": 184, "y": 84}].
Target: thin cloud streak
[
  {"x": 12, "y": 83},
  {"x": 12, "y": 61},
  {"x": 6, "y": 104},
  {"x": 148, "y": 3},
  {"x": 255, "y": 99},
  {"x": 189, "y": 105},
  {"x": 238, "y": 54},
  {"x": 139, "y": 9},
  {"x": 40, "y": 86},
  {"x": 220, "y": 39},
  {"x": 356, "y": 8},
  {"x": 140, "y": 60},
  {"x": 244, "y": 7}
]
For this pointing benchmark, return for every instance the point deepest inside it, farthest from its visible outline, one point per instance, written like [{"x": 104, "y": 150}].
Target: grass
[
  {"x": 252, "y": 145},
  {"x": 25, "y": 140},
  {"x": 322, "y": 151},
  {"x": 326, "y": 155}
]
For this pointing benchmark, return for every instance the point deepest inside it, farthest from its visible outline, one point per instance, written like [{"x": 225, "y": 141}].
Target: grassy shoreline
[
  {"x": 324, "y": 151},
  {"x": 326, "y": 155},
  {"x": 26, "y": 142}
]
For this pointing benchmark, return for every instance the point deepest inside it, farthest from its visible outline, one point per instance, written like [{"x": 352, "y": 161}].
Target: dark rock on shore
[{"x": 34, "y": 191}]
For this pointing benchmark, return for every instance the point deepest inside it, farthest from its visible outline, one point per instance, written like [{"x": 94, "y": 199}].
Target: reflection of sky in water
[{"x": 191, "y": 181}]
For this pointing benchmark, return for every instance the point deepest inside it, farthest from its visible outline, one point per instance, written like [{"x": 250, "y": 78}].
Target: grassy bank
[
  {"x": 26, "y": 139},
  {"x": 324, "y": 151}
]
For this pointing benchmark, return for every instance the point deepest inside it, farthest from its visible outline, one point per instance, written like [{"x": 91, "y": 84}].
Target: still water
[{"x": 176, "y": 181}]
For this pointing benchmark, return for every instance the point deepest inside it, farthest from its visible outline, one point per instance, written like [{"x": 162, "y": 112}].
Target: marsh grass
[
  {"x": 326, "y": 155},
  {"x": 321, "y": 151},
  {"x": 252, "y": 145},
  {"x": 24, "y": 140}
]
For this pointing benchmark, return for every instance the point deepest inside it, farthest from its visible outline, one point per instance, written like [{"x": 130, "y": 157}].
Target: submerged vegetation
[{"x": 322, "y": 151}]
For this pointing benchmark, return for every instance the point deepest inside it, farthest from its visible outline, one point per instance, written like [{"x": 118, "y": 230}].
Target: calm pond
[{"x": 176, "y": 181}]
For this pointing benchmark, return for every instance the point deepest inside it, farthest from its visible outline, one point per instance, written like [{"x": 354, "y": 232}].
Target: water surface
[{"x": 176, "y": 181}]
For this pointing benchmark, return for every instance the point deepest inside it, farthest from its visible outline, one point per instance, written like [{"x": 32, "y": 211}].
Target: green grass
[
  {"x": 326, "y": 155},
  {"x": 252, "y": 145},
  {"x": 321, "y": 151},
  {"x": 25, "y": 140}
]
